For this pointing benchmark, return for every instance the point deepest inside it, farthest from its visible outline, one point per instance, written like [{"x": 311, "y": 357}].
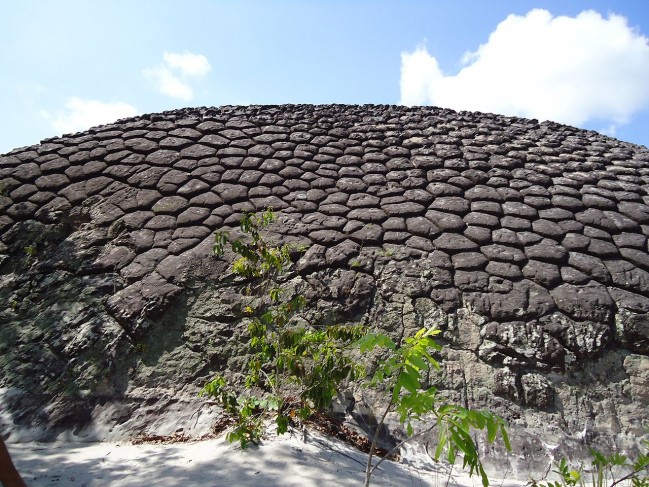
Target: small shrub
[
  {"x": 403, "y": 371},
  {"x": 294, "y": 369},
  {"x": 605, "y": 471}
]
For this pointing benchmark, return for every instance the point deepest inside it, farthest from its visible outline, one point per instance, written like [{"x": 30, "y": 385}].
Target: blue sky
[{"x": 67, "y": 65}]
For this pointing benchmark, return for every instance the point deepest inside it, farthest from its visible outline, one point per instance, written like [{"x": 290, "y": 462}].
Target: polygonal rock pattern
[{"x": 537, "y": 228}]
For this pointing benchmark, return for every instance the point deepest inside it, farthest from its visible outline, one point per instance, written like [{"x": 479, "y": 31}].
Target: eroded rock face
[{"x": 525, "y": 242}]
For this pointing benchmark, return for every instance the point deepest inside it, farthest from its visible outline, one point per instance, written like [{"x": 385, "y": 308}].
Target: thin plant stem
[
  {"x": 421, "y": 433},
  {"x": 627, "y": 477},
  {"x": 375, "y": 438}
]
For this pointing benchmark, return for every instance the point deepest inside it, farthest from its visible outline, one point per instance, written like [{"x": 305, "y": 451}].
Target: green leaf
[
  {"x": 492, "y": 431},
  {"x": 414, "y": 373},
  {"x": 446, "y": 409},
  {"x": 478, "y": 420},
  {"x": 575, "y": 476},
  {"x": 409, "y": 429},
  {"x": 367, "y": 343},
  {"x": 275, "y": 294},
  {"x": 408, "y": 382},
  {"x": 459, "y": 441},
  {"x": 598, "y": 457},
  {"x": 273, "y": 403},
  {"x": 617, "y": 459},
  {"x": 503, "y": 433},
  {"x": 385, "y": 341},
  {"x": 430, "y": 343},
  {"x": 417, "y": 361},
  {"x": 220, "y": 239},
  {"x": 441, "y": 441},
  {"x": 282, "y": 424},
  {"x": 450, "y": 454},
  {"x": 483, "y": 476}
]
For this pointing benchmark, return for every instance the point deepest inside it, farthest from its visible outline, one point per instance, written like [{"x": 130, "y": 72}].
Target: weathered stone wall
[{"x": 525, "y": 242}]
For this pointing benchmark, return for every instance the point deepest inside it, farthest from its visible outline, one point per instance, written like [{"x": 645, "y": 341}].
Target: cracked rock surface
[{"x": 525, "y": 242}]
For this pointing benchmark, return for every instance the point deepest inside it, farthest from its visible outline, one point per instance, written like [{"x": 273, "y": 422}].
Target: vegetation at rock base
[
  {"x": 604, "y": 471},
  {"x": 296, "y": 368},
  {"x": 404, "y": 370}
]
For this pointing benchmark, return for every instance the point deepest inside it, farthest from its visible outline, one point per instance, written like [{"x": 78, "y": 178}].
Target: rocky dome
[{"x": 525, "y": 241}]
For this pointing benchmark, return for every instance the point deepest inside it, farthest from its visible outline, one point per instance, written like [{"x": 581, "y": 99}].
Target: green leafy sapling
[
  {"x": 294, "y": 368},
  {"x": 404, "y": 370},
  {"x": 605, "y": 471}
]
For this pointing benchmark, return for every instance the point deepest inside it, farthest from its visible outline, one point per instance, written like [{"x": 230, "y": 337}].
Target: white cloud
[
  {"x": 174, "y": 75},
  {"x": 80, "y": 114},
  {"x": 168, "y": 84},
  {"x": 567, "y": 69},
  {"x": 611, "y": 130},
  {"x": 187, "y": 63}
]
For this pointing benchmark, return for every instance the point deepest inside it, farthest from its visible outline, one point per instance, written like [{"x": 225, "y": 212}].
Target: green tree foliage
[
  {"x": 404, "y": 370},
  {"x": 294, "y": 368},
  {"x": 605, "y": 471}
]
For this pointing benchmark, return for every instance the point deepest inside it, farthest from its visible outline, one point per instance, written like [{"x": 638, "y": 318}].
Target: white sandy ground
[{"x": 278, "y": 461}]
